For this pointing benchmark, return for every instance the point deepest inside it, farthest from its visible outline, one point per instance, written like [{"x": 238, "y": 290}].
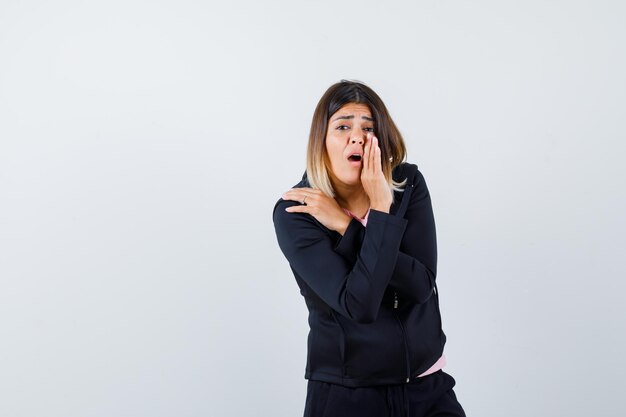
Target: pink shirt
[{"x": 441, "y": 362}]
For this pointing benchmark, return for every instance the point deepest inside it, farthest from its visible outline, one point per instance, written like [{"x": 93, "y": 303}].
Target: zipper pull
[{"x": 395, "y": 300}]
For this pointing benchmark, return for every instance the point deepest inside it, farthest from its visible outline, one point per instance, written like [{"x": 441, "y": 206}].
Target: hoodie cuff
[
  {"x": 381, "y": 216},
  {"x": 348, "y": 244},
  {"x": 353, "y": 235}
]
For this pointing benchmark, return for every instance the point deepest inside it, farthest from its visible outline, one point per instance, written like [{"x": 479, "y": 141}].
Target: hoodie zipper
[
  {"x": 406, "y": 344},
  {"x": 403, "y": 206}
]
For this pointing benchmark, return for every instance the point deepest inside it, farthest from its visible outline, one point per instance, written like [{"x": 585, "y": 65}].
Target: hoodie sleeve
[
  {"x": 416, "y": 265},
  {"x": 416, "y": 262},
  {"x": 353, "y": 290}
]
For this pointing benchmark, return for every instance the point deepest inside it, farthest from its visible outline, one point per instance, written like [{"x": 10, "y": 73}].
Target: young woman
[{"x": 359, "y": 234}]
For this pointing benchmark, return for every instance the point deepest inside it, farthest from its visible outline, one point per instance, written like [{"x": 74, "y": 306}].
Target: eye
[
  {"x": 369, "y": 129},
  {"x": 341, "y": 127}
]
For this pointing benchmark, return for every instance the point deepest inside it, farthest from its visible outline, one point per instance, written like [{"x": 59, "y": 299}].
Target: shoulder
[
  {"x": 408, "y": 171},
  {"x": 296, "y": 230},
  {"x": 279, "y": 213}
]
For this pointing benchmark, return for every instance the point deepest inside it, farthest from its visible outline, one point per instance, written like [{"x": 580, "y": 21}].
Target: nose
[{"x": 357, "y": 139}]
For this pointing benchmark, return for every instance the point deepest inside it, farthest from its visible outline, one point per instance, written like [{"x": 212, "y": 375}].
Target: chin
[{"x": 350, "y": 179}]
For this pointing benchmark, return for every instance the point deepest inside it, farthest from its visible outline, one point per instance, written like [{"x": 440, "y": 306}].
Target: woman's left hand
[{"x": 325, "y": 209}]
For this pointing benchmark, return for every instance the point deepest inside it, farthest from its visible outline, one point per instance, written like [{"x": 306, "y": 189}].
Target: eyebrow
[{"x": 352, "y": 117}]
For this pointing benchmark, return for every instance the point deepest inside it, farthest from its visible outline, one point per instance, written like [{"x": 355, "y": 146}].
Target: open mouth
[{"x": 354, "y": 157}]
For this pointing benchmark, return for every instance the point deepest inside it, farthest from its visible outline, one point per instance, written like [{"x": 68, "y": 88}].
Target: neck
[{"x": 353, "y": 198}]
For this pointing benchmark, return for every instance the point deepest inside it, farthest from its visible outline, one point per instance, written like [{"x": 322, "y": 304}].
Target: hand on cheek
[{"x": 373, "y": 179}]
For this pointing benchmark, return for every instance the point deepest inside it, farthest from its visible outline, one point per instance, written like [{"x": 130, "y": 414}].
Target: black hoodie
[{"x": 371, "y": 294}]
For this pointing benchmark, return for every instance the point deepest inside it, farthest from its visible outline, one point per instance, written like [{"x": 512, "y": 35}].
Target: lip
[{"x": 356, "y": 151}]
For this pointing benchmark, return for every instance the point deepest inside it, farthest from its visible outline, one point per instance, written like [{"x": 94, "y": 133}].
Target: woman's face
[{"x": 347, "y": 134}]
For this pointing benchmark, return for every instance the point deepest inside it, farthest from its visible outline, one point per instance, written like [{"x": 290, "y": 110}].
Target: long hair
[{"x": 393, "y": 150}]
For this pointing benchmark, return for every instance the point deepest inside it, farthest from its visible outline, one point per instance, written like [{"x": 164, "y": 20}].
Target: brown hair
[{"x": 393, "y": 150}]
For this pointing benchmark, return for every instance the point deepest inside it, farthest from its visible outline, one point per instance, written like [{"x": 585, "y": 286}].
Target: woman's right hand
[
  {"x": 325, "y": 209},
  {"x": 372, "y": 177}
]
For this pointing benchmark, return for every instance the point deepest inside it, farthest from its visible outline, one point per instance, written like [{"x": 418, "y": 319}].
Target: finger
[
  {"x": 302, "y": 190},
  {"x": 368, "y": 157},
  {"x": 377, "y": 162},
  {"x": 298, "y": 196},
  {"x": 294, "y": 197},
  {"x": 298, "y": 209},
  {"x": 287, "y": 195},
  {"x": 292, "y": 192},
  {"x": 372, "y": 161},
  {"x": 364, "y": 158},
  {"x": 306, "y": 189}
]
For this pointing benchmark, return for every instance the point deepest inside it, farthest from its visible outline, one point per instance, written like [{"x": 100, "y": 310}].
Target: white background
[{"x": 143, "y": 145}]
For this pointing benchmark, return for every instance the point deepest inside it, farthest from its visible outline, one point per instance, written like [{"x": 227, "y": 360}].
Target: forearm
[
  {"x": 416, "y": 261},
  {"x": 354, "y": 290}
]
